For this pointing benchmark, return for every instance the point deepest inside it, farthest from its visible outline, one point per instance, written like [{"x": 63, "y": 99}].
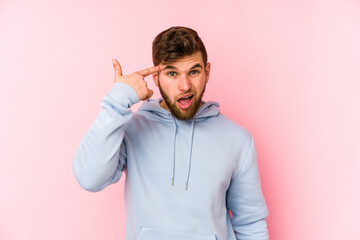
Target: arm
[
  {"x": 101, "y": 155},
  {"x": 246, "y": 201},
  {"x": 98, "y": 160}
]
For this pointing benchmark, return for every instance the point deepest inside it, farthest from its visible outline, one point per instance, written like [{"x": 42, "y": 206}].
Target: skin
[
  {"x": 187, "y": 75},
  {"x": 136, "y": 80}
]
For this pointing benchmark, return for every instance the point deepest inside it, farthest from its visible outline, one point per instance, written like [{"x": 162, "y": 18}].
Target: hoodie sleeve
[
  {"x": 101, "y": 154},
  {"x": 246, "y": 201}
]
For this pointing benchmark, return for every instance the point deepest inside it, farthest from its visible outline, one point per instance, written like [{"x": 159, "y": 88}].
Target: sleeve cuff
[{"x": 123, "y": 94}]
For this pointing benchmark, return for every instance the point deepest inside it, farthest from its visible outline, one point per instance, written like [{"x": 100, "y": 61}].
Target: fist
[{"x": 136, "y": 80}]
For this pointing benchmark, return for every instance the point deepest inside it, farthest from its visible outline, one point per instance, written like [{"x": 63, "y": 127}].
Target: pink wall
[{"x": 289, "y": 71}]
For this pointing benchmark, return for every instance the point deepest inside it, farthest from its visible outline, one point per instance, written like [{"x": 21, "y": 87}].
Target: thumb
[
  {"x": 117, "y": 67},
  {"x": 150, "y": 93}
]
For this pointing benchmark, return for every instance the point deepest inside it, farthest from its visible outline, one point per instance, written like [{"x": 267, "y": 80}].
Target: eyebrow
[{"x": 172, "y": 67}]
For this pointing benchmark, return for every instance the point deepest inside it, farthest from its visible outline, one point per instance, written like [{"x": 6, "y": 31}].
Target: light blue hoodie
[{"x": 182, "y": 177}]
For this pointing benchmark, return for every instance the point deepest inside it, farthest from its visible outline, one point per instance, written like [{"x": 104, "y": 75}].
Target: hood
[{"x": 152, "y": 109}]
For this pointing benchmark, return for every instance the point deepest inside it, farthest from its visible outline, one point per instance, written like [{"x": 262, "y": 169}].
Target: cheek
[
  {"x": 199, "y": 84},
  {"x": 164, "y": 83},
  {"x": 168, "y": 87}
]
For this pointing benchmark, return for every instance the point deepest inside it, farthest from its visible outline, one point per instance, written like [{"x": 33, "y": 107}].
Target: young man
[{"x": 186, "y": 163}]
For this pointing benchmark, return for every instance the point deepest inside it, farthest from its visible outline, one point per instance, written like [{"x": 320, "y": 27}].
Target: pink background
[{"x": 288, "y": 71}]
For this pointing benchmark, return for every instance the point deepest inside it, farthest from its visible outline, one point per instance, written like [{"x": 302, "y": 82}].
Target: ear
[
  {"x": 207, "y": 72},
  {"x": 155, "y": 77}
]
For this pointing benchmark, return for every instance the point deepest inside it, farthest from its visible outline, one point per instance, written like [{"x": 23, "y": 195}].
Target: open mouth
[{"x": 185, "y": 102}]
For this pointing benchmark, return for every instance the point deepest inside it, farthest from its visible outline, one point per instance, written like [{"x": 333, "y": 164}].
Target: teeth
[{"x": 187, "y": 97}]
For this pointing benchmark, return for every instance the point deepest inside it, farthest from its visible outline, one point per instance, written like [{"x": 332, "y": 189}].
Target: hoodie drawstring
[
  {"x": 173, "y": 165},
  {"x": 190, "y": 154}
]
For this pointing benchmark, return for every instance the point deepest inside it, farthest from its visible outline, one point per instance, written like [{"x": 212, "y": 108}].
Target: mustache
[{"x": 189, "y": 91}]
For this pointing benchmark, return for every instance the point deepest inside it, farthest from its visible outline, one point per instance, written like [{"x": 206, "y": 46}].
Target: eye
[
  {"x": 194, "y": 72},
  {"x": 171, "y": 74}
]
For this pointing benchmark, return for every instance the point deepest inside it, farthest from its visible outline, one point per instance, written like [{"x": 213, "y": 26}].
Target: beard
[{"x": 177, "y": 111}]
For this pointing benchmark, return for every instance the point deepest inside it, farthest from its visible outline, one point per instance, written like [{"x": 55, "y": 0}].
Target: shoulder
[
  {"x": 142, "y": 122},
  {"x": 232, "y": 128},
  {"x": 137, "y": 122}
]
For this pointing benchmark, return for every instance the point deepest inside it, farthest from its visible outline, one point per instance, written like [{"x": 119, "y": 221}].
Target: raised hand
[{"x": 136, "y": 80}]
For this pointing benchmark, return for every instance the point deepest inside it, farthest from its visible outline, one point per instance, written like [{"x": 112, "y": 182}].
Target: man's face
[{"x": 182, "y": 85}]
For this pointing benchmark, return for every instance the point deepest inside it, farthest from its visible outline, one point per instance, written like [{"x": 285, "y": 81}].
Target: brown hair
[{"x": 175, "y": 43}]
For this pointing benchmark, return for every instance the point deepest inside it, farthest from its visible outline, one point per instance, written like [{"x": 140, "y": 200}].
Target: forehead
[{"x": 186, "y": 62}]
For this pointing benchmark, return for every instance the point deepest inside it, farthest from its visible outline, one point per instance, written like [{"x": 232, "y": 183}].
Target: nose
[{"x": 184, "y": 83}]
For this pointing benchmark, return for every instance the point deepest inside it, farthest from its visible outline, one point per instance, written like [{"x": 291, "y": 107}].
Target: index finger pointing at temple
[{"x": 148, "y": 71}]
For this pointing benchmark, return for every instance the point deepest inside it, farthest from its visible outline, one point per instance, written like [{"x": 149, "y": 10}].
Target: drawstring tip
[
  {"x": 186, "y": 186},
  {"x": 172, "y": 181}
]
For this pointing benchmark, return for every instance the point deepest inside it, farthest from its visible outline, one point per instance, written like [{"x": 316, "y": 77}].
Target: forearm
[{"x": 253, "y": 231}]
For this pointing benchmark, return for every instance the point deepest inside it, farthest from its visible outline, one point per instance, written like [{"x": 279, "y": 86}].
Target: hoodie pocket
[{"x": 157, "y": 234}]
